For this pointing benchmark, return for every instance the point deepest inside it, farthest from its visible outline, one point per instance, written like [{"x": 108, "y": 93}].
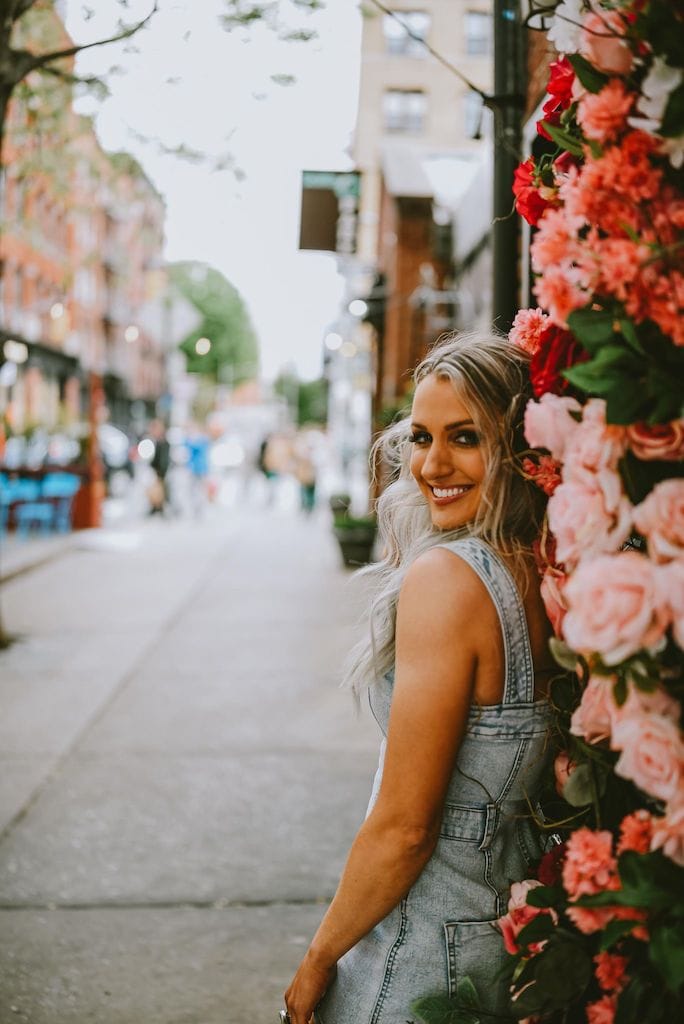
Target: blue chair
[
  {"x": 60, "y": 488},
  {"x": 34, "y": 513},
  {"x": 23, "y": 495}
]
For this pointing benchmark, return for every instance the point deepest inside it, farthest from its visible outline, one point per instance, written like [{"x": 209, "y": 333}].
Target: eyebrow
[{"x": 449, "y": 426}]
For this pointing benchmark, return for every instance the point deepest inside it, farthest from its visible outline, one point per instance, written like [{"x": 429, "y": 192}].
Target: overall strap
[{"x": 519, "y": 670}]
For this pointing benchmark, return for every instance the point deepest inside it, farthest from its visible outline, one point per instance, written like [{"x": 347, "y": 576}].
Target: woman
[{"x": 458, "y": 669}]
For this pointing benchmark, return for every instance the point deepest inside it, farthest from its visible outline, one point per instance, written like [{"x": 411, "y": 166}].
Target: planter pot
[{"x": 356, "y": 544}]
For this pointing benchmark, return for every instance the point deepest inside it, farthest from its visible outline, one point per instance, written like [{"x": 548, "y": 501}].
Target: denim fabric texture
[{"x": 443, "y": 929}]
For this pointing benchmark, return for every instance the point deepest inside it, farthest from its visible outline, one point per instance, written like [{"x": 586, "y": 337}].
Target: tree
[
  {"x": 21, "y": 54},
  {"x": 307, "y": 400},
  {"x": 224, "y": 345}
]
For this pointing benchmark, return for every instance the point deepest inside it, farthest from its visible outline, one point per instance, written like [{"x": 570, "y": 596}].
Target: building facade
[
  {"x": 82, "y": 273},
  {"x": 422, "y": 148}
]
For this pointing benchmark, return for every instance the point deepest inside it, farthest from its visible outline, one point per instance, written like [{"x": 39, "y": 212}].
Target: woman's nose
[{"x": 437, "y": 462}]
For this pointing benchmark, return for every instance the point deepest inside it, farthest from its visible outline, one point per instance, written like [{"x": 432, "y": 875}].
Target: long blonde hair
[{"x": 490, "y": 376}]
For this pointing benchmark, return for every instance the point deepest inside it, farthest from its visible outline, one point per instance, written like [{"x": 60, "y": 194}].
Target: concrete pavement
[{"x": 180, "y": 774}]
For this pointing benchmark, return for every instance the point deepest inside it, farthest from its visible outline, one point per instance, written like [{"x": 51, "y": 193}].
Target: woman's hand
[{"x": 307, "y": 988}]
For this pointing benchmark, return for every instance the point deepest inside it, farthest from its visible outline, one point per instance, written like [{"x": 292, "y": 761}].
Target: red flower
[
  {"x": 528, "y": 201},
  {"x": 558, "y": 350},
  {"x": 550, "y": 866},
  {"x": 561, "y": 82},
  {"x": 559, "y": 92}
]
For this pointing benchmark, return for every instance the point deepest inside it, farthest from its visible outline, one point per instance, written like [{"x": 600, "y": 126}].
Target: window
[
  {"x": 404, "y": 111},
  {"x": 478, "y": 26},
  {"x": 398, "y": 42}
]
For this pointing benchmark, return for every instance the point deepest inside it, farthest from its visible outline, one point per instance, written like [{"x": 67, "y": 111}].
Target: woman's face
[{"x": 447, "y": 459}]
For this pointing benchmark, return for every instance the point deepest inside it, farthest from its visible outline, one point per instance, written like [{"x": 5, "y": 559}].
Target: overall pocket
[{"x": 474, "y": 949}]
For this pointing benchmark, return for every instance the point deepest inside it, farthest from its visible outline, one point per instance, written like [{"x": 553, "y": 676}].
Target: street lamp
[
  {"x": 357, "y": 307},
  {"x": 333, "y": 341},
  {"x": 131, "y": 334}
]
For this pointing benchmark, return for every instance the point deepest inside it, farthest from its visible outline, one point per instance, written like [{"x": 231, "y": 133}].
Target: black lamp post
[{"x": 507, "y": 104}]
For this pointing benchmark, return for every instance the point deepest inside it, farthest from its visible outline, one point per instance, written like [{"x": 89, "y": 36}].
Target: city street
[{"x": 180, "y": 774}]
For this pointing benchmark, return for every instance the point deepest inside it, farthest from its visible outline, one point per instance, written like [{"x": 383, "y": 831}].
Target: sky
[{"x": 192, "y": 83}]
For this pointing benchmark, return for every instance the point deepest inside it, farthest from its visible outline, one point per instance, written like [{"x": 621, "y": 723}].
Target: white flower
[
  {"x": 566, "y": 26},
  {"x": 656, "y": 88},
  {"x": 675, "y": 149}
]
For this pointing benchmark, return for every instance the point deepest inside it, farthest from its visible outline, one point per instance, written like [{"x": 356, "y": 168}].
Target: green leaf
[
  {"x": 666, "y": 951},
  {"x": 614, "y": 931},
  {"x": 593, "y": 327},
  {"x": 466, "y": 993},
  {"x": 629, "y": 1007},
  {"x": 443, "y": 1010},
  {"x": 620, "y": 691},
  {"x": 563, "y": 654},
  {"x": 545, "y": 896},
  {"x": 561, "y": 973},
  {"x": 539, "y": 928},
  {"x": 591, "y": 79},
  {"x": 629, "y": 333},
  {"x": 563, "y": 139},
  {"x": 579, "y": 788},
  {"x": 673, "y": 119}
]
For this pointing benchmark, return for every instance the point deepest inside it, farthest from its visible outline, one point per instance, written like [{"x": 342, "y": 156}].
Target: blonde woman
[{"x": 457, "y": 670}]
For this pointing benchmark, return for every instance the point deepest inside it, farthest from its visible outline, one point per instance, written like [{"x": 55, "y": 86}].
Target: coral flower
[
  {"x": 611, "y": 971},
  {"x": 636, "y": 832},
  {"x": 603, "y": 114},
  {"x": 589, "y": 865},
  {"x": 527, "y": 329},
  {"x": 603, "y": 1011}
]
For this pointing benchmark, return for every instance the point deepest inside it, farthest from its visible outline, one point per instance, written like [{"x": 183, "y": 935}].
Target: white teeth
[{"x": 449, "y": 492}]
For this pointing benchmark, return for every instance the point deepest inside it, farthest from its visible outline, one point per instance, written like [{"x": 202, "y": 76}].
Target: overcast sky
[{"x": 192, "y": 83}]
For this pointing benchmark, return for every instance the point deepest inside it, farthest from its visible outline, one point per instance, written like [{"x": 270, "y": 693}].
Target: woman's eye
[
  {"x": 467, "y": 438},
  {"x": 419, "y": 437}
]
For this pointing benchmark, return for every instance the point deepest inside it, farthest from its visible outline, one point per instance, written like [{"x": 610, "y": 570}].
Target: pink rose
[
  {"x": 563, "y": 768},
  {"x": 662, "y": 441},
  {"x": 648, "y": 702},
  {"x": 603, "y": 45},
  {"x": 661, "y": 519},
  {"x": 595, "y": 445},
  {"x": 589, "y": 517},
  {"x": 593, "y": 717},
  {"x": 616, "y": 606},
  {"x": 551, "y": 590},
  {"x": 671, "y": 585},
  {"x": 668, "y": 832},
  {"x": 549, "y": 423},
  {"x": 519, "y": 914},
  {"x": 652, "y": 754}
]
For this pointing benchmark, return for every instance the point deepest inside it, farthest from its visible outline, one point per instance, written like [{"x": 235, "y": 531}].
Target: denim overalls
[{"x": 442, "y": 930}]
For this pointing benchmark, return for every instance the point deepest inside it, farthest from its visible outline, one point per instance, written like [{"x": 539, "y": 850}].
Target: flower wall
[{"x": 598, "y": 936}]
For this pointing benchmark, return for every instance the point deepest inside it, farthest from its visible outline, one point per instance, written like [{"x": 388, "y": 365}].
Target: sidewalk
[{"x": 180, "y": 774}]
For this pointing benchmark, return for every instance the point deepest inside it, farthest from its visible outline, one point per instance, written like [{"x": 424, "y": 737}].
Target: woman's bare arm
[{"x": 443, "y": 615}]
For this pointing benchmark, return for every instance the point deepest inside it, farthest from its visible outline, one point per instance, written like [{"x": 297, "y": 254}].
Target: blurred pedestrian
[
  {"x": 304, "y": 468},
  {"x": 160, "y": 462},
  {"x": 197, "y": 446}
]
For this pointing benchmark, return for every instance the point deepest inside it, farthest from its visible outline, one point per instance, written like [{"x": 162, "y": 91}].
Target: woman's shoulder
[{"x": 438, "y": 580}]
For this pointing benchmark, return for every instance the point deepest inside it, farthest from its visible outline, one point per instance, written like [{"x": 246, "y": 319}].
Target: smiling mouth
[{"x": 442, "y": 493}]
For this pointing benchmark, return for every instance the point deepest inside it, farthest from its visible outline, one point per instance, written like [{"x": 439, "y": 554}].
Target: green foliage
[
  {"x": 638, "y": 371},
  {"x": 308, "y": 400},
  {"x": 463, "y": 1009},
  {"x": 591, "y": 79},
  {"x": 234, "y": 354}
]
